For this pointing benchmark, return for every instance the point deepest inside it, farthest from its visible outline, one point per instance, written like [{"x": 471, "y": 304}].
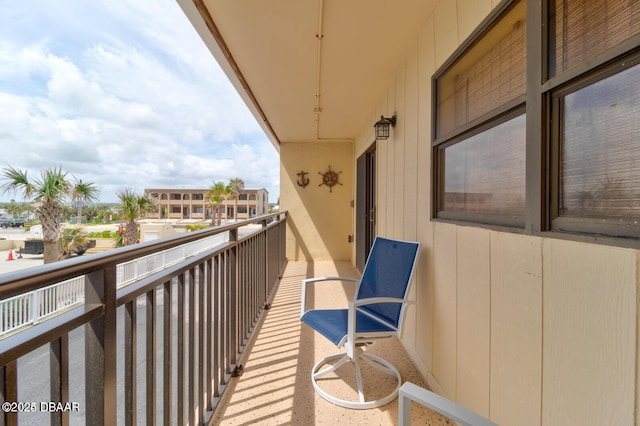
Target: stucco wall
[
  {"x": 524, "y": 330},
  {"x": 320, "y": 220}
]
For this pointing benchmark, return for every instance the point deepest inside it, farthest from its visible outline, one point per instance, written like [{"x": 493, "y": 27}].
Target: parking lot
[{"x": 26, "y": 261}]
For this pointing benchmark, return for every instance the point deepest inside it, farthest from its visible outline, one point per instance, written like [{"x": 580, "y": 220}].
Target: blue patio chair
[{"x": 375, "y": 313}]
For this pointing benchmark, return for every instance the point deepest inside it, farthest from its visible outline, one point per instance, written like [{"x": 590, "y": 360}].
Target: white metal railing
[
  {"x": 130, "y": 272},
  {"x": 409, "y": 392},
  {"x": 32, "y": 307}
]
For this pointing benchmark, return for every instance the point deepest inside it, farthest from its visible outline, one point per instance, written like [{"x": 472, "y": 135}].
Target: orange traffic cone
[{"x": 10, "y": 257}]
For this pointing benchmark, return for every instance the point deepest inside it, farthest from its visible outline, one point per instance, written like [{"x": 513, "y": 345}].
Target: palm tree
[
  {"x": 132, "y": 207},
  {"x": 216, "y": 195},
  {"x": 78, "y": 197},
  {"x": 14, "y": 209},
  {"x": 49, "y": 192},
  {"x": 237, "y": 185}
]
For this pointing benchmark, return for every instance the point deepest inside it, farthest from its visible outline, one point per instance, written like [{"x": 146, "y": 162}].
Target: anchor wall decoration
[
  {"x": 330, "y": 178},
  {"x": 303, "y": 180}
]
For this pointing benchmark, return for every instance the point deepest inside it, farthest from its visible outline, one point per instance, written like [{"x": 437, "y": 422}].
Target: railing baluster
[
  {"x": 180, "y": 349},
  {"x": 150, "y": 355},
  {"x": 167, "y": 385},
  {"x": 217, "y": 326},
  {"x": 59, "y": 377},
  {"x": 208, "y": 343},
  {"x": 130, "y": 362},
  {"x": 9, "y": 380},
  {"x": 191, "y": 347},
  {"x": 100, "y": 349},
  {"x": 201, "y": 345},
  {"x": 33, "y": 307},
  {"x": 242, "y": 280},
  {"x": 253, "y": 300},
  {"x": 233, "y": 281},
  {"x": 251, "y": 296},
  {"x": 226, "y": 318}
]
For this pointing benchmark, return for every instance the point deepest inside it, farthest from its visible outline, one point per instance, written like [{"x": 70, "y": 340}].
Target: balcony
[
  {"x": 275, "y": 387},
  {"x": 95, "y": 332}
]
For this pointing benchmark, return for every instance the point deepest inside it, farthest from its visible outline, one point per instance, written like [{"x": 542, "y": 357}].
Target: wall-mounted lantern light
[{"x": 382, "y": 127}]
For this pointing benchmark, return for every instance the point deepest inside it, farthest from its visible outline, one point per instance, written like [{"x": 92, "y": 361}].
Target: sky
[{"x": 123, "y": 94}]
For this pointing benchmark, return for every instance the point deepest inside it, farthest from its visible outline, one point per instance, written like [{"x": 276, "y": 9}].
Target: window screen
[
  {"x": 600, "y": 148},
  {"x": 487, "y": 76},
  {"x": 582, "y": 29}
]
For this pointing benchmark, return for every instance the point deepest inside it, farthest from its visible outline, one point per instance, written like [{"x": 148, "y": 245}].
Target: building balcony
[
  {"x": 92, "y": 340},
  {"x": 275, "y": 387}
]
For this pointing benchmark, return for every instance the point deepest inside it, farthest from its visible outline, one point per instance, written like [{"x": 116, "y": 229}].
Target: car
[{"x": 13, "y": 223}]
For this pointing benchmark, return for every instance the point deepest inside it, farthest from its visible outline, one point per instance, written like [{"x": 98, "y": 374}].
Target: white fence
[
  {"x": 30, "y": 308},
  {"x": 35, "y": 306}
]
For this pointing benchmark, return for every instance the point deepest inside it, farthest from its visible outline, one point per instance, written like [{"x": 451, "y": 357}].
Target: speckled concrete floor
[{"x": 276, "y": 389}]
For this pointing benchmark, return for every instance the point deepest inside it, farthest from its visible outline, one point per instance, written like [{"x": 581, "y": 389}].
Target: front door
[{"x": 365, "y": 205}]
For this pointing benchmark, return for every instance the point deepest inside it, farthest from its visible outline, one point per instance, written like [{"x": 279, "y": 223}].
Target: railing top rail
[{"x": 18, "y": 282}]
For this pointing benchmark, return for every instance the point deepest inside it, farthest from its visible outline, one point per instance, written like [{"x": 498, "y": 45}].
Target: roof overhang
[{"x": 309, "y": 70}]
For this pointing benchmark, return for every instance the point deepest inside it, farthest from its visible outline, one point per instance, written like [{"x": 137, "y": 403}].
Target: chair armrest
[
  {"x": 372, "y": 300},
  {"x": 306, "y": 282},
  {"x": 351, "y": 316}
]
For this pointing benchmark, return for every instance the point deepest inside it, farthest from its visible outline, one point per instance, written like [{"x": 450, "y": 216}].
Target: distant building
[{"x": 192, "y": 204}]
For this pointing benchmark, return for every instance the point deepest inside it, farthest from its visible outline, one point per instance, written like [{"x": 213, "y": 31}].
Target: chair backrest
[{"x": 387, "y": 273}]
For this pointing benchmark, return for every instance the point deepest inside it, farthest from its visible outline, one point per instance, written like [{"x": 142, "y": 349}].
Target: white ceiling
[{"x": 271, "y": 51}]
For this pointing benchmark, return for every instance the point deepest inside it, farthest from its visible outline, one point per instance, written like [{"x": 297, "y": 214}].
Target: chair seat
[
  {"x": 332, "y": 323},
  {"x": 380, "y": 299}
]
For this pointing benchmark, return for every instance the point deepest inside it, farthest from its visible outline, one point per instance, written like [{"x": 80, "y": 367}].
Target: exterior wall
[
  {"x": 524, "y": 330},
  {"x": 255, "y": 204},
  {"x": 319, "y": 221},
  {"x": 149, "y": 231}
]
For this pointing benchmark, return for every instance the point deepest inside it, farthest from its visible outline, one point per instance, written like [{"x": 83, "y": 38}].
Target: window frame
[
  {"x": 513, "y": 112},
  {"x": 542, "y": 139},
  {"x": 488, "y": 120},
  {"x": 609, "y": 227}
]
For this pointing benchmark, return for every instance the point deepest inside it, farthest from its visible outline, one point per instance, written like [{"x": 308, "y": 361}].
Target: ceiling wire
[
  {"x": 319, "y": 37},
  {"x": 318, "y": 109}
]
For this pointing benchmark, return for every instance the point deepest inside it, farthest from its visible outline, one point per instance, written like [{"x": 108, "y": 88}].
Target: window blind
[
  {"x": 490, "y": 74},
  {"x": 600, "y": 149},
  {"x": 585, "y": 28}
]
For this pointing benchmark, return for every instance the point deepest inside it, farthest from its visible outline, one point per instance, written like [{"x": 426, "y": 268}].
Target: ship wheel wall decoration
[{"x": 330, "y": 178}]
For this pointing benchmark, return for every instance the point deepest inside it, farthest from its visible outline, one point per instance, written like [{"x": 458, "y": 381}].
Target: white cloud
[{"x": 124, "y": 96}]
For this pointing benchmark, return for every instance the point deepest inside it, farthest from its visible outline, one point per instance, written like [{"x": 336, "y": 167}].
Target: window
[
  {"x": 242, "y": 197},
  {"x": 480, "y": 143},
  {"x": 543, "y": 137},
  {"x": 597, "y": 155},
  {"x": 484, "y": 175},
  {"x": 594, "y": 98}
]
